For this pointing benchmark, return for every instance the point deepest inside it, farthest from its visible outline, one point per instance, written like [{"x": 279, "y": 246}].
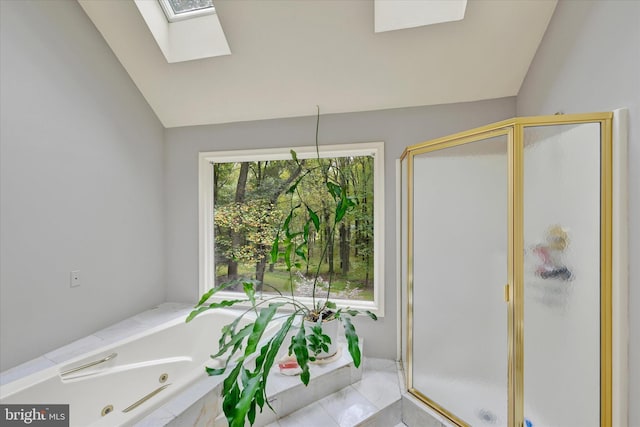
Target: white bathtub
[{"x": 177, "y": 350}]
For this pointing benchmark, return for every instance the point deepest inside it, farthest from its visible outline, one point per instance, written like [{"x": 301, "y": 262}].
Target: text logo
[{"x": 34, "y": 415}]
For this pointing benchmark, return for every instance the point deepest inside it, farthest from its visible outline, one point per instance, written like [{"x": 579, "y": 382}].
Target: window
[
  {"x": 176, "y": 10},
  {"x": 244, "y": 201},
  {"x": 190, "y": 31}
]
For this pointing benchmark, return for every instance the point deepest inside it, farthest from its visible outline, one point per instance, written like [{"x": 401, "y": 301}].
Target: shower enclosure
[{"x": 506, "y": 261}]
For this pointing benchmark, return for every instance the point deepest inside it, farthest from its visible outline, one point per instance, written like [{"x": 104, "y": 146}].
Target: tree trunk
[
  {"x": 329, "y": 243},
  {"x": 310, "y": 244},
  {"x": 260, "y": 268},
  {"x": 344, "y": 249},
  {"x": 367, "y": 263},
  {"x": 236, "y": 237},
  {"x": 273, "y": 198}
]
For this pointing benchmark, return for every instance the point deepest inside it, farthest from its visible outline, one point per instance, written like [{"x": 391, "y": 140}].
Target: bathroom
[{"x": 92, "y": 180}]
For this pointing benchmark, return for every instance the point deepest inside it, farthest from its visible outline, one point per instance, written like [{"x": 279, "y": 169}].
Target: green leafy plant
[{"x": 248, "y": 345}]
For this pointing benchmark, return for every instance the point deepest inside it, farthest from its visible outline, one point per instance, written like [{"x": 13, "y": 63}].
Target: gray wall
[
  {"x": 81, "y": 183},
  {"x": 397, "y": 128},
  {"x": 589, "y": 60}
]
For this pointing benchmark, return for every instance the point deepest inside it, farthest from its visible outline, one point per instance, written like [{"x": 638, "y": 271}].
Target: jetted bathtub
[{"x": 119, "y": 384}]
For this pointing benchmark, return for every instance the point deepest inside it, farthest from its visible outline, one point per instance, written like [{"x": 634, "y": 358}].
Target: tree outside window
[{"x": 250, "y": 202}]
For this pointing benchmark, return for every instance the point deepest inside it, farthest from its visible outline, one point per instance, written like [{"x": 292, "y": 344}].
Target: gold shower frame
[{"x": 514, "y": 290}]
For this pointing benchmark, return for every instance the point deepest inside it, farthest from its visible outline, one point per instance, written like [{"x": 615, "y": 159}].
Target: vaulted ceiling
[{"x": 287, "y": 56}]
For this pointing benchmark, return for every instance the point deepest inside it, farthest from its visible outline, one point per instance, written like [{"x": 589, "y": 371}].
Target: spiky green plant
[{"x": 245, "y": 384}]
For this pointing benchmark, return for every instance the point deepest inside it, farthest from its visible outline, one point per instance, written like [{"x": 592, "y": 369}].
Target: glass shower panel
[
  {"x": 562, "y": 275},
  {"x": 460, "y": 210}
]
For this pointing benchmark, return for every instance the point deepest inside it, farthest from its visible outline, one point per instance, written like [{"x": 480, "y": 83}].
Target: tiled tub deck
[{"x": 338, "y": 394}]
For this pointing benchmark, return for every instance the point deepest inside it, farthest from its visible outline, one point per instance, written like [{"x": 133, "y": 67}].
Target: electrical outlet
[{"x": 75, "y": 278}]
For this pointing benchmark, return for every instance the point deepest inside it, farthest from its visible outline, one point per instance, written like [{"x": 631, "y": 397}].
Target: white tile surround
[
  {"x": 119, "y": 331},
  {"x": 338, "y": 395},
  {"x": 374, "y": 400}
]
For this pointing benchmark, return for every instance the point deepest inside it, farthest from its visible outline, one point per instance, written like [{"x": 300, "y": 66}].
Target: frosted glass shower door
[
  {"x": 459, "y": 270},
  {"x": 515, "y": 297},
  {"x": 562, "y": 274}
]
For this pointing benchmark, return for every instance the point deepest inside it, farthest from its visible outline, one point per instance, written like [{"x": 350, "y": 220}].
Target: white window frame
[
  {"x": 206, "y": 203},
  {"x": 173, "y": 17}
]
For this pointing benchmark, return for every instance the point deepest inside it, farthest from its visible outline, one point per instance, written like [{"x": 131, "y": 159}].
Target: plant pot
[{"x": 329, "y": 328}]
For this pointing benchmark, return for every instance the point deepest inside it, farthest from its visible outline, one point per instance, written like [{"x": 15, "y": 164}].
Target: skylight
[
  {"x": 181, "y": 39},
  {"x": 400, "y": 14},
  {"x": 176, "y": 10}
]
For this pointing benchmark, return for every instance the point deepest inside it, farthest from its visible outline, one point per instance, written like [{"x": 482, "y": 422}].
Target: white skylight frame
[
  {"x": 390, "y": 15},
  {"x": 187, "y": 39},
  {"x": 172, "y": 16}
]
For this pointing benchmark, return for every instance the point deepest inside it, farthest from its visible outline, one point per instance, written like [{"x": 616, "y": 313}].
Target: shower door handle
[{"x": 507, "y": 288}]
